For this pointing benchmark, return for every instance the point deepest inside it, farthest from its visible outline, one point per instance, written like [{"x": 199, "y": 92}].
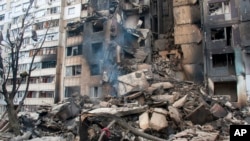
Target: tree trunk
[{"x": 13, "y": 119}]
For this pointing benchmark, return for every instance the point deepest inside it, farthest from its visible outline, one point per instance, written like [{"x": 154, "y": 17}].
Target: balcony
[
  {"x": 38, "y": 101},
  {"x": 44, "y": 72},
  {"x": 75, "y": 40}
]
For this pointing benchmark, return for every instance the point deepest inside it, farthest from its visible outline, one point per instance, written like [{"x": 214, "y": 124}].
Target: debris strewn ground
[{"x": 171, "y": 110}]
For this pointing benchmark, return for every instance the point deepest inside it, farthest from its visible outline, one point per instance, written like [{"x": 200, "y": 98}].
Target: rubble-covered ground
[{"x": 170, "y": 110}]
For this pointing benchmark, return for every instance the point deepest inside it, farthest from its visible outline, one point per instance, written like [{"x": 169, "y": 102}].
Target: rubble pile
[
  {"x": 163, "y": 111},
  {"x": 172, "y": 110}
]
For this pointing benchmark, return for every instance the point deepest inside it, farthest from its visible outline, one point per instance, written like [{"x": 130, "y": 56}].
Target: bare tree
[{"x": 9, "y": 66}]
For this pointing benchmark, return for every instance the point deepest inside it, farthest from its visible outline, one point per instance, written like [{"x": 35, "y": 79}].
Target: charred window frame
[
  {"x": 97, "y": 26},
  {"x": 74, "y": 50},
  {"x": 70, "y": 90},
  {"x": 75, "y": 32},
  {"x": 222, "y": 33},
  {"x": 223, "y": 60},
  {"x": 48, "y": 64},
  {"x": 73, "y": 70},
  {"x": 219, "y": 8}
]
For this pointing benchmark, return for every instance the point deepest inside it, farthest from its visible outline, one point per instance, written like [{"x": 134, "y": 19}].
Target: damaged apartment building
[
  {"x": 226, "y": 47},
  {"x": 125, "y": 43},
  {"x": 117, "y": 41}
]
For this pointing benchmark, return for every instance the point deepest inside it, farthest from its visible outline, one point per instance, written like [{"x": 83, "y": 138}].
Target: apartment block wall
[{"x": 225, "y": 47}]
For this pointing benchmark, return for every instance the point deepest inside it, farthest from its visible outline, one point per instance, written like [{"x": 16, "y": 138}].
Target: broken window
[
  {"x": 97, "y": 50},
  {"x": 223, "y": 60},
  {"x": 95, "y": 92},
  {"x": 222, "y": 33},
  {"x": 49, "y": 64},
  {"x": 73, "y": 70},
  {"x": 218, "y": 34},
  {"x": 70, "y": 90},
  {"x": 97, "y": 26},
  {"x": 75, "y": 50},
  {"x": 46, "y": 94},
  {"x": 75, "y": 31},
  {"x": 95, "y": 69},
  {"x": 226, "y": 88},
  {"x": 219, "y": 8}
]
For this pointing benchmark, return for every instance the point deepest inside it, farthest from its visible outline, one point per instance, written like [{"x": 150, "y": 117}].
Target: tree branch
[{"x": 30, "y": 70}]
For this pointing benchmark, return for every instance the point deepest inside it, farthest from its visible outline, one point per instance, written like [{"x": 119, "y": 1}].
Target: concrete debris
[
  {"x": 164, "y": 85},
  {"x": 179, "y": 103},
  {"x": 144, "y": 120},
  {"x": 158, "y": 121}
]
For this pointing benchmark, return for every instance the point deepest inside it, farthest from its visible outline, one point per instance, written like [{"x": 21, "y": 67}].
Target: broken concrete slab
[
  {"x": 104, "y": 104},
  {"x": 165, "y": 85},
  {"x": 65, "y": 110},
  {"x": 174, "y": 114},
  {"x": 164, "y": 98},
  {"x": 160, "y": 111},
  {"x": 179, "y": 103},
  {"x": 119, "y": 111},
  {"x": 158, "y": 121},
  {"x": 144, "y": 120},
  {"x": 218, "y": 111},
  {"x": 130, "y": 81}
]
